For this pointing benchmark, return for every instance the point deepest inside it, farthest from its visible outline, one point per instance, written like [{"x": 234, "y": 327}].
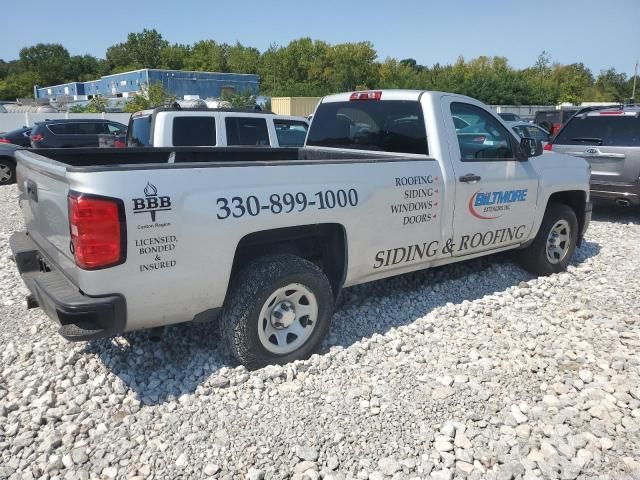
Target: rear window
[
  {"x": 247, "y": 131},
  {"x": 194, "y": 131},
  {"x": 604, "y": 130},
  {"x": 291, "y": 133},
  {"x": 140, "y": 132},
  {"x": 388, "y": 126}
]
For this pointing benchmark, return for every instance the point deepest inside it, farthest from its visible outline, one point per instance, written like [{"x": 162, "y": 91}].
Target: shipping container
[{"x": 298, "y": 106}]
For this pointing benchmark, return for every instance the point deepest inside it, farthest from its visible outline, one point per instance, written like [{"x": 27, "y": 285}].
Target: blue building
[{"x": 179, "y": 83}]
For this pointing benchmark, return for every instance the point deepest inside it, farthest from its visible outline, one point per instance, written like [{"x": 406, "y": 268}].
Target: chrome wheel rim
[
  {"x": 558, "y": 241},
  {"x": 287, "y": 319},
  {"x": 5, "y": 174}
]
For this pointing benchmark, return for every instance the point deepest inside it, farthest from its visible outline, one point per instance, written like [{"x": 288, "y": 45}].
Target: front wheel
[
  {"x": 7, "y": 172},
  {"x": 552, "y": 249},
  {"x": 278, "y": 309}
]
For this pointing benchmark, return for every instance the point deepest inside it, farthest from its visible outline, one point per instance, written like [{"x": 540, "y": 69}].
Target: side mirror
[{"x": 530, "y": 147}]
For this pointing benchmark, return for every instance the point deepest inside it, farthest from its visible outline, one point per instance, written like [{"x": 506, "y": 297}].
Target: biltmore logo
[
  {"x": 491, "y": 205},
  {"x": 152, "y": 202}
]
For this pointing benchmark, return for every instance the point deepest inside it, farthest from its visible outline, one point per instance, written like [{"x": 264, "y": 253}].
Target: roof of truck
[{"x": 392, "y": 94}]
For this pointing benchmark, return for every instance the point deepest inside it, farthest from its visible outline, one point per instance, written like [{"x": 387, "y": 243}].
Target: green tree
[
  {"x": 19, "y": 85},
  {"x": 141, "y": 50},
  {"x": 242, "y": 59},
  {"x": 82, "y": 68},
  {"x": 611, "y": 86},
  {"x": 49, "y": 61},
  {"x": 153, "y": 96},
  {"x": 175, "y": 56},
  {"x": 239, "y": 100},
  {"x": 207, "y": 56}
]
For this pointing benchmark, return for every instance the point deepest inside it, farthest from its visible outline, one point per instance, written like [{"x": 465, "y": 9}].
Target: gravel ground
[{"x": 472, "y": 371}]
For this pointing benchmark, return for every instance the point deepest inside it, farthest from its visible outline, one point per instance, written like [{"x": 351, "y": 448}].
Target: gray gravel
[{"x": 471, "y": 371}]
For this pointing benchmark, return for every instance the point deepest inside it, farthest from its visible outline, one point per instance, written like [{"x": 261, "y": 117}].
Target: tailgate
[
  {"x": 609, "y": 165},
  {"x": 43, "y": 199}
]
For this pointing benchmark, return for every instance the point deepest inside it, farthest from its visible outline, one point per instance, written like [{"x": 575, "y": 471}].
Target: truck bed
[{"x": 134, "y": 158}]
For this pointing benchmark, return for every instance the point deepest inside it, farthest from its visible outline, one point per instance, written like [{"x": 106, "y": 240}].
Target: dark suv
[
  {"x": 73, "y": 133},
  {"x": 609, "y": 139},
  {"x": 553, "y": 120}
]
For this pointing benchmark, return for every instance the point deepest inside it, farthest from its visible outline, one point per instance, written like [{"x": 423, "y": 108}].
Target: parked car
[
  {"x": 184, "y": 127},
  {"x": 264, "y": 239},
  {"x": 609, "y": 139},
  {"x": 510, "y": 117},
  {"x": 19, "y": 136},
  {"x": 525, "y": 129},
  {"x": 553, "y": 120},
  {"x": 8, "y": 163},
  {"x": 66, "y": 133}
]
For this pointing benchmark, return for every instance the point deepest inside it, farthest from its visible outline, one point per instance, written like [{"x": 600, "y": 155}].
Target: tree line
[{"x": 307, "y": 67}]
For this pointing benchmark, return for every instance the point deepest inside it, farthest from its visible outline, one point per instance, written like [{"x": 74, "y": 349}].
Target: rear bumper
[
  {"x": 613, "y": 192},
  {"x": 79, "y": 316}
]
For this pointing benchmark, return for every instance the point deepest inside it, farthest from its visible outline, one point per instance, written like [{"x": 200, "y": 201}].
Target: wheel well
[
  {"x": 323, "y": 244},
  {"x": 9, "y": 159},
  {"x": 576, "y": 199}
]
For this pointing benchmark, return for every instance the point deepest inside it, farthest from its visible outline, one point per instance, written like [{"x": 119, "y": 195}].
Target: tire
[
  {"x": 535, "y": 257},
  {"x": 258, "y": 293},
  {"x": 7, "y": 172}
]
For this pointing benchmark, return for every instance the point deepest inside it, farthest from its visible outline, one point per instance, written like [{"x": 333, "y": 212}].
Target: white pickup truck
[{"x": 265, "y": 239}]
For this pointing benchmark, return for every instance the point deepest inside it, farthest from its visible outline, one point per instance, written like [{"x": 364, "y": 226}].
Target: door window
[
  {"x": 601, "y": 130},
  {"x": 485, "y": 138},
  {"x": 115, "y": 128},
  {"x": 247, "y": 131},
  {"x": 194, "y": 131},
  {"x": 291, "y": 133}
]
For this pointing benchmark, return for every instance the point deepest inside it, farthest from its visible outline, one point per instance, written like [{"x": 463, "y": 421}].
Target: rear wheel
[
  {"x": 555, "y": 243},
  {"x": 278, "y": 309},
  {"x": 7, "y": 172}
]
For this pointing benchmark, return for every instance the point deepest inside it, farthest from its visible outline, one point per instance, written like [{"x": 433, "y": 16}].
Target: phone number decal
[{"x": 238, "y": 207}]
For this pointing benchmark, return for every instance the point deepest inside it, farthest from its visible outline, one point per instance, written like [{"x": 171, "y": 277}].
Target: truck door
[{"x": 496, "y": 192}]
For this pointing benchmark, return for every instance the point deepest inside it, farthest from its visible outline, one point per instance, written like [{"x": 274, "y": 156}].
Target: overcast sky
[{"x": 599, "y": 33}]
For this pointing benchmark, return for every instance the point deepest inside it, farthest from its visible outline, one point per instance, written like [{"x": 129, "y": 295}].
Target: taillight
[
  {"x": 548, "y": 147},
  {"x": 479, "y": 139},
  {"x": 37, "y": 137},
  {"x": 119, "y": 144},
  {"x": 4, "y": 140},
  {"x": 97, "y": 230},
  {"x": 365, "y": 96},
  {"x": 617, "y": 112},
  {"x": 554, "y": 128}
]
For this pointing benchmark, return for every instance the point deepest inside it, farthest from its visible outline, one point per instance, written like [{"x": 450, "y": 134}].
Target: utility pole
[{"x": 635, "y": 78}]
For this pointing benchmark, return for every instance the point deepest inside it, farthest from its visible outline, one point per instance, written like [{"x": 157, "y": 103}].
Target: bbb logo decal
[
  {"x": 152, "y": 202},
  {"x": 491, "y": 205}
]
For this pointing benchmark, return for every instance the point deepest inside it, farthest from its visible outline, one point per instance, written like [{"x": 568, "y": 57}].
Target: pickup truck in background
[
  {"x": 264, "y": 239},
  {"x": 202, "y": 127}
]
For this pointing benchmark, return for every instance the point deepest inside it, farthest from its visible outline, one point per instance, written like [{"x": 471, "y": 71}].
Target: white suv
[{"x": 174, "y": 127}]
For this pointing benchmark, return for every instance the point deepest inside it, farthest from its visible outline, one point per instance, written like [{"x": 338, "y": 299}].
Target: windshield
[
  {"x": 140, "y": 132},
  {"x": 389, "y": 126}
]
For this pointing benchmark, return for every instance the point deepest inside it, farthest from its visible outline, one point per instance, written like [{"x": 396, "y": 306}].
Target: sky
[{"x": 599, "y": 33}]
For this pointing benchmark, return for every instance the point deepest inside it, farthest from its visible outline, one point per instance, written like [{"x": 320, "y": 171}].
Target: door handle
[{"x": 470, "y": 178}]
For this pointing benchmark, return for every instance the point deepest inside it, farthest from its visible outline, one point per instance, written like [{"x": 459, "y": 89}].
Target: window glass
[
  {"x": 93, "y": 128},
  {"x": 291, "y": 133},
  {"x": 531, "y": 132},
  {"x": 386, "y": 125},
  {"x": 604, "y": 130},
  {"x": 194, "y": 131},
  {"x": 247, "y": 131},
  {"x": 59, "y": 128},
  {"x": 140, "y": 132},
  {"x": 115, "y": 128},
  {"x": 485, "y": 138}
]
